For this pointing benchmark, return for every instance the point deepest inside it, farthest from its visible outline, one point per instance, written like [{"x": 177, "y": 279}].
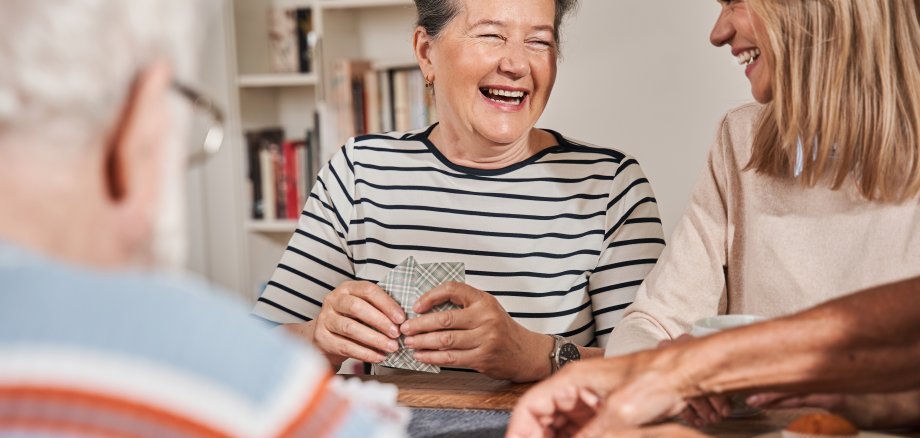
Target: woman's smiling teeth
[
  {"x": 504, "y": 96},
  {"x": 748, "y": 56}
]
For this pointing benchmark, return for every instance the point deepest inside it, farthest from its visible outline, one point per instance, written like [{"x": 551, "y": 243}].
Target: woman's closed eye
[
  {"x": 541, "y": 44},
  {"x": 492, "y": 36}
]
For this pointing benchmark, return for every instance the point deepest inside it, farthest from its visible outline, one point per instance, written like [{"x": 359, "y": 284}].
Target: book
[
  {"x": 346, "y": 75},
  {"x": 289, "y": 179},
  {"x": 372, "y": 111},
  {"x": 305, "y": 37}
]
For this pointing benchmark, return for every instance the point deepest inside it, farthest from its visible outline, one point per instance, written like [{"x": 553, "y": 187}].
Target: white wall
[{"x": 641, "y": 76}]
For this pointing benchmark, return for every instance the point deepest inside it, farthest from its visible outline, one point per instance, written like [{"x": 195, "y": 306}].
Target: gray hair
[
  {"x": 69, "y": 64},
  {"x": 434, "y": 15}
]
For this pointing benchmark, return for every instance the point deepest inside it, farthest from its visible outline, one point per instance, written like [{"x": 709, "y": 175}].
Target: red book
[{"x": 289, "y": 150}]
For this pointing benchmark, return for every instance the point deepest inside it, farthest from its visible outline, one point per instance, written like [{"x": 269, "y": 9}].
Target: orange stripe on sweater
[
  {"x": 313, "y": 402},
  {"x": 120, "y": 405}
]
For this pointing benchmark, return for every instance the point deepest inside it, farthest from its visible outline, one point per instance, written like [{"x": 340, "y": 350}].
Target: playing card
[{"x": 406, "y": 283}]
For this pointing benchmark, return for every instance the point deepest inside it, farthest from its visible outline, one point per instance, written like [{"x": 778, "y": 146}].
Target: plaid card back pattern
[{"x": 406, "y": 283}]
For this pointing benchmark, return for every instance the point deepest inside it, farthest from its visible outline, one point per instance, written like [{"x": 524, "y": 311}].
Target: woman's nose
[
  {"x": 722, "y": 31},
  {"x": 514, "y": 63}
]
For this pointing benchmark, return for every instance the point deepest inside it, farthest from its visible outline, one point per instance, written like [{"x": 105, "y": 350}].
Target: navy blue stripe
[
  {"x": 644, "y": 220},
  {"x": 626, "y": 165},
  {"x": 627, "y": 214},
  {"x": 545, "y": 255},
  {"x": 295, "y": 293},
  {"x": 333, "y": 210},
  {"x": 584, "y": 306},
  {"x": 476, "y": 232},
  {"x": 347, "y": 160},
  {"x": 614, "y": 287},
  {"x": 625, "y": 264},
  {"x": 321, "y": 219},
  {"x": 600, "y": 160},
  {"x": 577, "y": 331},
  {"x": 481, "y": 213},
  {"x": 610, "y": 309},
  {"x": 321, "y": 262},
  {"x": 479, "y": 194},
  {"x": 483, "y": 178},
  {"x": 463, "y": 370},
  {"x": 321, "y": 241},
  {"x": 397, "y": 151},
  {"x": 341, "y": 185},
  {"x": 379, "y": 136},
  {"x": 561, "y": 293},
  {"x": 305, "y": 276},
  {"x": 283, "y": 309},
  {"x": 631, "y": 185},
  {"x": 619, "y": 243},
  {"x": 371, "y": 261},
  {"x": 604, "y": 332}
]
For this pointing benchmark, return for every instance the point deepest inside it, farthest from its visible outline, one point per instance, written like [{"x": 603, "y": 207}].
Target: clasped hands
[{"x": 360, "y": 320}]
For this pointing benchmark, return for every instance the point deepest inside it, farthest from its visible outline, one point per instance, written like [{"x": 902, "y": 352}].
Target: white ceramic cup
[{"x": 714, "y": 324}]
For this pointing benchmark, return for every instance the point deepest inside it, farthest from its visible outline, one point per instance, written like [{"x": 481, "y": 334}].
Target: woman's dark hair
[{"x": 434, "y": 15}]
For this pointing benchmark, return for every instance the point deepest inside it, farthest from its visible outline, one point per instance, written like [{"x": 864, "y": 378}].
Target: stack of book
[
  {"x": 291, "y": 40},
  {"x": 281, "y": 172},
  {"x": 369, "y": 100}
]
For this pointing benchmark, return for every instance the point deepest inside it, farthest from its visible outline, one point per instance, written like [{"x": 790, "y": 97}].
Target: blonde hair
[{"x": 846, "y": 87}]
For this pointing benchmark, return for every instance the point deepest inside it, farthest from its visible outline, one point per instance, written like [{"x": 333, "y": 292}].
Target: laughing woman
[{"x": 555, "y": 235}]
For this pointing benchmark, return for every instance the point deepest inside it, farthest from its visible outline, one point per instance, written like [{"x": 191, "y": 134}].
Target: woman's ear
[{"x": 422, "y": 44}]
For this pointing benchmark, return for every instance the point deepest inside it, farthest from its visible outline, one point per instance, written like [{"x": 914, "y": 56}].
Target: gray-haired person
[{"x": 92, "y": 341}]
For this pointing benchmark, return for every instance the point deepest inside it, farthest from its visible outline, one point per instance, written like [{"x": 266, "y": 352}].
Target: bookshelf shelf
[
  {"x": 277, "y": 80},
  {"x": 353, "y": 4},
  {"x": 276, "y": 226}
]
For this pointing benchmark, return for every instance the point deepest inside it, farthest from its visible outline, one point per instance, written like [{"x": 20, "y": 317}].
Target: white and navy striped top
[{"x": 562, "y": 239}]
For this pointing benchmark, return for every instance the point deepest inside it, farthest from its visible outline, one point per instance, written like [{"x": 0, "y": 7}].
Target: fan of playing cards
[{"x": 406, "y": 283}]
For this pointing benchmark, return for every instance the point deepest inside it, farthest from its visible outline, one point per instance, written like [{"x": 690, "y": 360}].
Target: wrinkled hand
[
  {"x": 592, "y": 397},
  {"x": 702, "y": 411},
  {"x": 481, "y": 336},
  {"x": 358, "y": 320}
]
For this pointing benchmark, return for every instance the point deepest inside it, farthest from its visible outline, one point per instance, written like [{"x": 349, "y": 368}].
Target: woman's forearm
[{"x": 865, "y": 342}]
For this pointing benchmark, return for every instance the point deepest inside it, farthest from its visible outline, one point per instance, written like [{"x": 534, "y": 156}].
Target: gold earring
[{"x": 428, "y": 82}]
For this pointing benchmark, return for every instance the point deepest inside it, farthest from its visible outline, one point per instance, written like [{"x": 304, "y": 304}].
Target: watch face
[{"x": 568, "y": 353}]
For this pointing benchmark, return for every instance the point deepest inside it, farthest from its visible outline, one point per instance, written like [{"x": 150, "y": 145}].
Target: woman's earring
[{"x": 428, "y": 82}]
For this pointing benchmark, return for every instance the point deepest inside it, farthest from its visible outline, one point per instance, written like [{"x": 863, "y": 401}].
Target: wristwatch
[{"x": 564, "y": 351}]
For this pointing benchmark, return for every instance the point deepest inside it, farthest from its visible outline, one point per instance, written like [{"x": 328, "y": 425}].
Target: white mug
[{"x": 715, "y": 324}]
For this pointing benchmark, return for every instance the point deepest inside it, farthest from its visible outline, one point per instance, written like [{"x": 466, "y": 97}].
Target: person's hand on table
[
  {"x": 358, "y": 320},
  {"x": 590, "y": 398},
  {"x": 701, "y": 411},
  {"x": 481, "y": 336}
]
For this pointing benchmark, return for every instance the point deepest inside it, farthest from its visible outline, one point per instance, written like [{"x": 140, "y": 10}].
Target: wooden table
[{"x": 475, "y": 391}]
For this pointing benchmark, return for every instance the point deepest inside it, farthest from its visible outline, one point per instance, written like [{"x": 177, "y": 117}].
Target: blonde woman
[{"x": 810, "y": 194}]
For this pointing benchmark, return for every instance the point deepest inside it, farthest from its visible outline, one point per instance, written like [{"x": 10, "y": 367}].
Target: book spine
[
  {"x": 290, "y": 180},
  {"x": 401, "y": 114},
  {"x": 266, "y": 162},
  {"x": 304, "y": 29}
]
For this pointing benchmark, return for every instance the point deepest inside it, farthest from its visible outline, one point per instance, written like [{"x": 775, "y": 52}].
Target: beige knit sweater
[{"x": 766, "y": 246}]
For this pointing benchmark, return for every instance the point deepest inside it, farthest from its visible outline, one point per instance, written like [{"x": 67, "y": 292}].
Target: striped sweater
[
  {"x": 86, "y": 353},
  {"x": 561, "y": 239}
]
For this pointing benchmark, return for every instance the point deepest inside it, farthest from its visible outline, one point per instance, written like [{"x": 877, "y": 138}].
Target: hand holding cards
[{"x": 406, "y": 283}]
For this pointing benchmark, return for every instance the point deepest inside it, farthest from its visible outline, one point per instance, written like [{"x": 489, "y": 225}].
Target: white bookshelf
[
  {"x": 286, "y": 226},
  {"x": 269, "y": 80},
  {"x": 379, "y": 30}
]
